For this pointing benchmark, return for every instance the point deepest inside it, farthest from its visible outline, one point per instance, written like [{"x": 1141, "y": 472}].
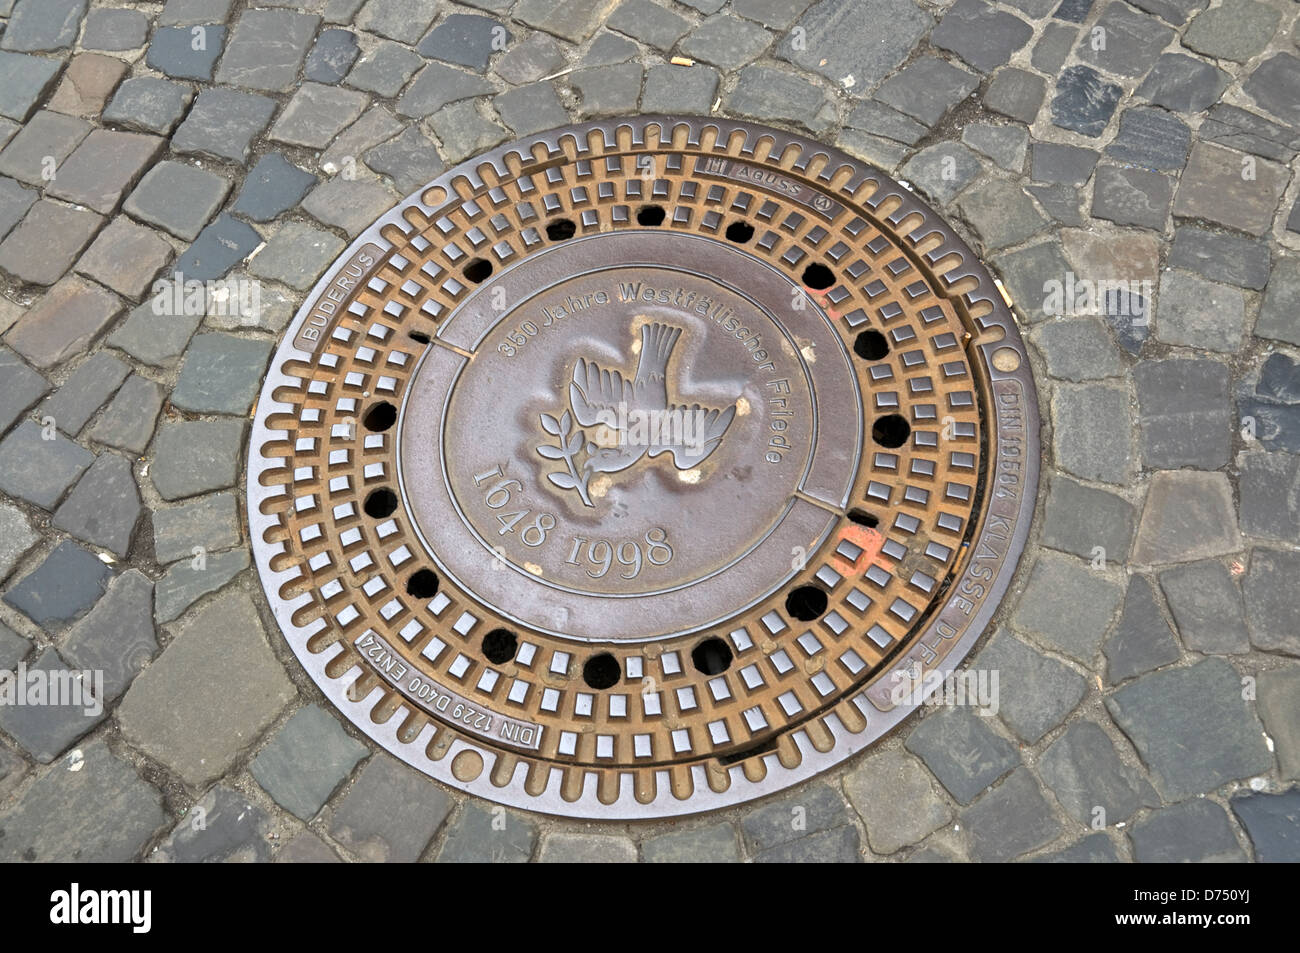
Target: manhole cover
[{"x": 641, "y": 467}]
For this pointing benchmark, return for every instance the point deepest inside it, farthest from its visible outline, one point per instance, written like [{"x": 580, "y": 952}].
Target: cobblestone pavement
[{"x": 1149, "y": 684}]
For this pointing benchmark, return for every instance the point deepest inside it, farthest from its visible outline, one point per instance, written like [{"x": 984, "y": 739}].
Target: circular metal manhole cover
[{"x": 642, "y": 467}]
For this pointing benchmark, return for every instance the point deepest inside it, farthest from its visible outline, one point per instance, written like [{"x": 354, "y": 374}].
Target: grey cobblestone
[
  {"x": 1207, "y": 607},
  {"x": 390, "y": 813},
  {"x": 1188, "y": 515},
  {"x": 84, "y": 392},
  {"x": 1039, "y": 691},
  {"x": 1085, "y": 773},
  {"x": 38, "y": 470},
  {"x": 222, "y": 827},
  {"x": 1184, "y": 416},
  {"x": 46, "y": 730},
  {"x": 149, "y": 104},
  {"x": 1142, "y": 639},
  {"x": 223, "y": 123},
  {"x": 715, "y": 844},
  {"x": 182, "y": 584},
  {"x": 962, "y": 751},
  {"x": 479, "y": 835},
  {"x": 178, "y": 197},
  {"x": 892, "y": 793},
  {"x": 1273, "y": 600},
  {"x": 1012, "y": 819},
  {"x": 1057, "y": 580},
  {"x": 562, "y": 848},
  {"x": 1194, "y": 831},
  {"x": 221, "y": 374},
  {"x": 306, "y": 760},
  {"x": 267, "y": 49},
  {"x": 104, "y": 507},
  {"x": 126, "y": 257},
  {"x": 197, "y": 456},
  {"x": 117, "y": 636}
]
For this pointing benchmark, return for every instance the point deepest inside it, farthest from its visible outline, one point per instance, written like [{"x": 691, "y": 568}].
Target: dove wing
[
  {"x": 596, "y": 393},
  {"x": 701, "y": 436}
]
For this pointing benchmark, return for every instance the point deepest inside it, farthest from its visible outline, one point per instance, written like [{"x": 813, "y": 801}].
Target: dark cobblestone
[
  {"x": 1010, "y": 820},
  {"x": 961, "y": 750},
  {"x": 306, "y": 761},
  {"x": 117, "y": 636},
  {"x": 483, "y": 835},
  {"x": 1188, "y": 515},
  {"x": 1207, "y": 608},
  {"x": 1142, "y": 639},
  {"x": 390, "y": 814},
  {"x": 1194, "y": 831}
]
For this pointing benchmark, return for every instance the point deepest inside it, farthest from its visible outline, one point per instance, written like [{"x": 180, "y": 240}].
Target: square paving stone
[
  {"x": 1084, "y": 102},
  {"x": 209, "y": 523},
  {"x": 536, "y": 107},
  {"x": 153, "y": 335},
  {"x": 68, "y": 706},
  {"x": 64, "y": 322},
  {"x": 1093, "y": 436},
  {"x": 463, "y": 132},
  {"x": 1142, "y": 639},
  {"x": 798, "y": 825},
  {"x": 411, "y": 160},
  {"x": 103, "y": 167},
  {"x": 1235, "y": 30},
  {"x": 84, "y": 392},
  {"x": 1167, "y": 714},
  {"x": 331, "y": 56},
  {"x": 1015, "y": 93},
  {"x": 375, "y": 126},
  {"x": 44, "y": 24},
  {"x": 1010, "y": 820},
  {"x": 942, "y": 170},
  {"x": 1207, "y": 608},
  {"x": 234, "y": 830},
  {"x": 149, "y": 104},
  {"x": 223, "y": 123},
  {"x": 436, "y": 86},
  {"x": 1005, "y": 145},
  {"x": 832, "y": 43},
  {"x": 980, "y": 34},
  {"x": 1230, "y": 189},
  {"x": 883, "y": 121},
  {"x": 1053, "y": 47},
  {"x": 117, "y": 636},
  {"x": 1195, "y": 831},
  {"x": 47, "y": 241},
  {"x": 1273, "y": 600},
  {"x": 562, "y": 848},
  {"x": 39, "y": 470},
  {"x": 1085, "y": 772},
  {"x": 466, "y": 39},
  {"x": 531, "y": 58},
  {"x": 193, "y": 12},
  {"x": 90, "y": 808},
  {"x": 927, "y": 88},
  {"x": 178, "y": 197},
  {"x": 43, "y": 144},
  {"x": 1250, "y": 132},
  {"x": 306, "y": 760},
  {"x": 186, "y": 52},
  {"x": 13, "y": 649},
  {"x": 1184, "y": 415},
  {"x": 1273, "y": 823},
  {"x": 1001, "y": 213},
  {"x": 961, "y": 749},
  {"x": 385, "y": 69},
  {"x": 725, "y": 41},
  {"x": 306, "y": 848},
  {"x": 221, "y": 374},
  {"x": 1028, "y": 272},
  {"x": 296, "y": 255},
  {"x": 87, "y": 84},
  {"x": 1082, "y": 520},
  {"x": 1132, "y": 197},
  {"x": 608, "y": 49},
  {"x": 104, "y": 506},
  {"x": 126, "y": 257},
  {"x": 188, "y": 581},
  {"x": 1052, "y": 162},
  {"x": 1193, "y": 312},
  {"x": 24, "y": 81},
  {"x": 685, "y": 89},
  {"x": 316, "y": 114},
  {"x": 1188, "y": 515},
  {"x": 220, "y": 247},
  {"x": 1078, "y": 349},
  {"x": 1279, "y": 708},
  {"x": 1133, "y": 41},
  {"x": 1183, "y": 83},
  {"x": 1281, "y": 304},
  {"x": 129, "y": 421},
  {"x": 404, "y": 20},
  {"x": 1269, "y": 402},
  {"x": 895, "y": 798},
  {"x": 266, "y": 49},
  {"x": 572, "y": 20},
  {"x": 15, "y": 200},
  {"x": 1061, "y": 580},
  {"x": 61, "y": 588},
  {"x": 196, "y": 456},
  {"x": 20, "y": 388},
  {"x": 1151, "y": 139},
  {"x": 648, "y": 22},
  {"x": 272, "y": 187},
  {"x": 606, "y": 90},
  {"x": 1232, "y": 259},
  {"x": 116, "y": 30},
  {"x": 352, "y": 205},
  {"x": 390, "y": 814},
  {"x": 1269, "y": 491},
  {"x": 707, "y": 845},
  {"x": 223, "y": 717}
]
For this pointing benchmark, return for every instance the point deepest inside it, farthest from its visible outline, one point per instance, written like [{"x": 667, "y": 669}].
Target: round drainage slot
[{"x": 629, "y": 470}]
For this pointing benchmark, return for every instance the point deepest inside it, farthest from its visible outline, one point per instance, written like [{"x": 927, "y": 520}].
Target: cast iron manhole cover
[{"x": 629, "y": 470}]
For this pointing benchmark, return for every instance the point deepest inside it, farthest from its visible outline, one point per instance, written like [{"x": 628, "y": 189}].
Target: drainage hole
[
  {"x": 560, "y": 229},
  {"x": 863, "y": 518},
  {"x": 380, "y": 503},
  {"x": 601, "y": 671},
  {"x": 712, "y": 656},
  {"x": 380, "y": 416},
  {"x": 650, "y": 215},
  {"x": 870, "y": 345},
  {"x": 891, "y": 430},
  {"x": 806, "y": 603},
  {"x": 740, "y": 232},
  {"x": 500, "y": 646},
  {"x": 818, "y": 276},
  {"x": 423, "y": 584},
  {"x": 419, "y": 336},
  {"x": 478, "y": 269}
]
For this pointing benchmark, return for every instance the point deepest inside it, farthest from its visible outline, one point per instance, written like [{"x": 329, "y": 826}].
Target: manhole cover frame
[{"x": 948, "y": 631}]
